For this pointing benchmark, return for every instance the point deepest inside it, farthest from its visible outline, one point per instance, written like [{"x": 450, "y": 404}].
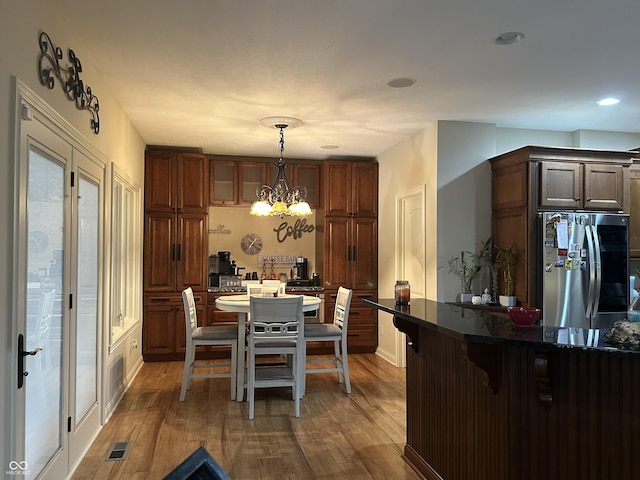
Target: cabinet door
[
  {"x": 337, "y": 250},
  {"x": 603, "y": 186},
  {"x": 158, "y": 327},
  {"x": 191, "y": 252},
  {"x": 364, "y": 189},
  {"x": 251, "y": 176},
  {"x": 308, "y": 175},
  {"x": 192, "y": 183},
  {"x": 223, "y": 179},
  {"x": 159, "y": 252},
  {"x": 561, "y": 185},
  {"x": 160, "y": 181},
  {"x": 364, "y": 253},
  {"x": 337, "y": 189},
  {"x": 511, "y": 227}
]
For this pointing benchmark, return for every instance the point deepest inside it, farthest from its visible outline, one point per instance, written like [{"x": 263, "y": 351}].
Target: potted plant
[
  {"x": 467, "y": 266},
  {"x": 506, "y": 261}
]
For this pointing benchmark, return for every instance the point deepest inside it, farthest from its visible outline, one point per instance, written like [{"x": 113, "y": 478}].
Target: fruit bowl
[{"x": 524, "y": 316}]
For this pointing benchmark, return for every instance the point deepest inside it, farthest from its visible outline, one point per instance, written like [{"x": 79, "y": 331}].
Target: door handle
[{"x": 21, "y": 354}]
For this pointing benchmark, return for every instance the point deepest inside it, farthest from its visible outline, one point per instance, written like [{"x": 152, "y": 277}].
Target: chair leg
[
  {"x": 234, "y": 371},
  {"x": 296, "y": 386},
  {"x": 251, "y": 383},
  {"x": 336, "y": 349},
  {"x": 189, "y": 357},
  {"x": 345, "y": 368}
]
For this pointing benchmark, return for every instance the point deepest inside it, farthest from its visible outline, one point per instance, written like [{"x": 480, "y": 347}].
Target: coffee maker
[
  {"x": 301, "y": 269},
  {"x": 222, "y": 271}
]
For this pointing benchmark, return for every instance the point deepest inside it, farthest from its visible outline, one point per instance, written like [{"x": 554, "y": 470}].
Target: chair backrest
[
  {"x": 341, "y": 310},
  {"x": 254, "y": 289},
  {"x": 190, "y": 316},
  {"x": 277, "y": 284},
  {"x": 275, "y": 318}
]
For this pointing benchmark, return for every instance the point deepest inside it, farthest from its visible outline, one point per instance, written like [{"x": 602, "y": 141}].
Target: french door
[{"x": 58, "y": 297}]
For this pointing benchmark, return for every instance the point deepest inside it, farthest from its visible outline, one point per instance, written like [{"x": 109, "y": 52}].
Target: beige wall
[
  {"x": 412, "y": 163},
  {"x": 227, "y": 226},
  {"x": 118, "y": 141}
]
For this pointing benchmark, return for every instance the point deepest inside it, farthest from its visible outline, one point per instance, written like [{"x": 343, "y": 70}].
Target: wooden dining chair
[
  {"x": 275, "y": 328},
  {"x": 206, "y": 336},
  {"x": 335, "y": 332}
]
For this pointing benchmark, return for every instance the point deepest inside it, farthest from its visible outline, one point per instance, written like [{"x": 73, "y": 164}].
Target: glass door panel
[
  {"x": 87, "y": 302},
  {"x": 44, "y": 302}
]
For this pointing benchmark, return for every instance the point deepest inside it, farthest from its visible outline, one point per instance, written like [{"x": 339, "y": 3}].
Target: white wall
[
  {"x": 409, "y": 164},
  {"x": 118, "y": 141}
]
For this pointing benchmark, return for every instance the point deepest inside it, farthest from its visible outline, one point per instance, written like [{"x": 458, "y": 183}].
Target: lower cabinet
[
  {"x": 164, "y": 328},
  {"x": 362, "y": 330}
]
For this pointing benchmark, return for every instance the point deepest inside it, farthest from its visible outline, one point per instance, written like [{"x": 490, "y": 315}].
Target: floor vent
[{"x": 118, "y": 451}]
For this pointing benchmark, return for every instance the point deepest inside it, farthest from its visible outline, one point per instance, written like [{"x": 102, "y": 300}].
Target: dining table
[{"x": 241, "y": 304}]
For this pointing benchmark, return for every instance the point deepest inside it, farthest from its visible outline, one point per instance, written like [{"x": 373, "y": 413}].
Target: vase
[
  {"x": 465, "y": 297},
  {"x": 508, "y": 301}
]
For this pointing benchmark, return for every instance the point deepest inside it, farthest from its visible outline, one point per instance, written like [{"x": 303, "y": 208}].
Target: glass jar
[{"x": 402, "y": 292}]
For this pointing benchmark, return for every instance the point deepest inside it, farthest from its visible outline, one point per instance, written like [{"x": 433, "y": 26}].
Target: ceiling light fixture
[
  {"x": 401, "y": 82},
  {"x": 509, "y": 38},
  {"x": 280, "y": 198},
  {"x": 608, "y": 101}
]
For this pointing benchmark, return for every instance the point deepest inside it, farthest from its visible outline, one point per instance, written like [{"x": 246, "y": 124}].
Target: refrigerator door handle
[
  {"x": 592, "y": 272},
  {"x": 598, "y": 263}
]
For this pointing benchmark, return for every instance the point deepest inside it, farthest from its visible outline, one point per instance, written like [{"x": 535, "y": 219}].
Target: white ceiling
[{"x": 203, "y": 73}]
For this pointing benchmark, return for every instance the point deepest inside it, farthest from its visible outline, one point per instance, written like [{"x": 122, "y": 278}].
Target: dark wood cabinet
[
  {"x": 176, "y": 182},
  {"x": 351, "y": 189},
  {"x": 532, "y": 179},
  {"x": 175, "y": 247},
  {"x": 164, "y": 328},
  {"x": 350, "y": 243},
  {"x": 572, "y": 185},
  {"x": 223, "y": 181},
  {"x": 234, "y": 180}
]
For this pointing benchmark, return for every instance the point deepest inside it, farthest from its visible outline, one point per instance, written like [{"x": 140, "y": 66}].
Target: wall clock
[{"x": 251, "y": 244}]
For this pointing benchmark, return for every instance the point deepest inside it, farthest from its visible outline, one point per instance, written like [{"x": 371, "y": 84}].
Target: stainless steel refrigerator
[{"x": 585, "y": 278}]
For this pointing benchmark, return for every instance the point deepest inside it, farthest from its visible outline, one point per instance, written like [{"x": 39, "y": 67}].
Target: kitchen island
[{"x": 488, "y": 400}]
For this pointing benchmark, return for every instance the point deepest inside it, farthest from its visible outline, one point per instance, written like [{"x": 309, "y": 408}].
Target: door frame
[
  {"x": 418, "y": 285},
  {"x": 25, "y": 97}
]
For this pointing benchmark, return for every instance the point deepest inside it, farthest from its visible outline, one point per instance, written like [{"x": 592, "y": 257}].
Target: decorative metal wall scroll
[{"x": 69, "y": 78}]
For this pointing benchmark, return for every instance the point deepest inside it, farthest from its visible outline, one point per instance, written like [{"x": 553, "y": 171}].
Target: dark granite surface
[{"x": 473, "y": 325}]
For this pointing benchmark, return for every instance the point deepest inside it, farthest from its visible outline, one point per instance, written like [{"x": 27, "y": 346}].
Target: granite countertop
[{"x": 473, "y": 325}]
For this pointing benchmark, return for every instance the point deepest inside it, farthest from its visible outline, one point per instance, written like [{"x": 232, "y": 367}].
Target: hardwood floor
[{"x": 338, "y": 436}]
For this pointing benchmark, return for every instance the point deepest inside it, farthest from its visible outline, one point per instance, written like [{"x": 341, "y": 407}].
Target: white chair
[
  {"x": 275, "y": 328},
  {"x": 206, "y": 336},
  {"x": 277, "y": 284},
  {"x": 335, "y": 332}
]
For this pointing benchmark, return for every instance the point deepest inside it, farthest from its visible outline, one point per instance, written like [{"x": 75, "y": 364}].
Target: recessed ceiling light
[
  {"x": 329, "y": 147},
  {"x": 509, "y": 38},
  {"x": 401, "y": 82},
  {"x": 608, "y": 101}
]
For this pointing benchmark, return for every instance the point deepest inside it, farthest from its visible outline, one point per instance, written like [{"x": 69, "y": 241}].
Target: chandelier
[{"x": 280, "y": 198}]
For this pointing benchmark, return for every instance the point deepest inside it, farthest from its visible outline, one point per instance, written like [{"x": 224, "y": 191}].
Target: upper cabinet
[
  {"x": 234, "y": 180},
  {"x": 176, "y": 181},
  {"x": 351, "y": 189},
  {"x": 588, "y": 186},
  {"x": 532, "y": 179}
]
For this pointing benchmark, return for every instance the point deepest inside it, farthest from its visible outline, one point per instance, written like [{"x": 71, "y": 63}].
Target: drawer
[{"x": 361, "y": 336}]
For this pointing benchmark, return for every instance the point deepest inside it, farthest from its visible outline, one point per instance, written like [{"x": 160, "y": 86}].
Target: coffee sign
[{"x": 284, "y": 230}]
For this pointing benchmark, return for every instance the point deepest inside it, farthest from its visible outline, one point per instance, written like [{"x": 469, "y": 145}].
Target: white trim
[{"x": 401, "y": 256}]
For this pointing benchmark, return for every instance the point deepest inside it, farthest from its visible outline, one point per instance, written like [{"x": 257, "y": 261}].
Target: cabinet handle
[
  {"x": 173, "y": 252},
  {"x": 589, "y": 199},
  {"x": 179, "y": 245},
  {"x": 577, "y": 199},
  {"x": 160, "y": 299}
]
